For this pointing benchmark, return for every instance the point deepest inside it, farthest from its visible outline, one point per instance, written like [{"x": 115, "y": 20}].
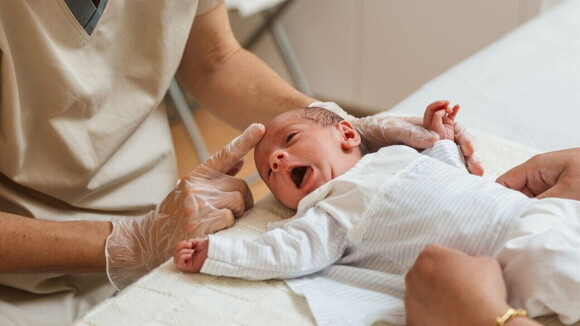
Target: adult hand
[
  {"x": 389, "y": 130},
  {"x": 204, "y": 202},
  {"x": 448, "y": 287},
  {"x": 553, "y": 174}
]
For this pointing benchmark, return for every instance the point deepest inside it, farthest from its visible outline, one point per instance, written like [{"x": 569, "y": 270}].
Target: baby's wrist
[
  {"x": 446, "y": 141},
  {"x": 447, "y": 137}
]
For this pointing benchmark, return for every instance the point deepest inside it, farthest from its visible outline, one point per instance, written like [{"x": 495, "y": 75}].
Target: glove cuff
[
  {"x": 108, "y": 258},
  {"x": 126, "y": 261}
]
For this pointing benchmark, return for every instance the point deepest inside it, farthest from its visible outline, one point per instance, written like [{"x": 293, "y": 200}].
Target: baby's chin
[{"x": 290, "y": 203}]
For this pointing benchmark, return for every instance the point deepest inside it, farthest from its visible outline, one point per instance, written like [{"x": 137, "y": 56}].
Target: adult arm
[
  {"x": 240, "y": 89},
  {"x": 204, "y": 201},
  {"x": 448, "y": 287},
  {"x": 33, "y": 245},
  {"x": 412, "y": 131},
  {"x": 553, "y": 174},
  {"x": 231, "y": 82}
]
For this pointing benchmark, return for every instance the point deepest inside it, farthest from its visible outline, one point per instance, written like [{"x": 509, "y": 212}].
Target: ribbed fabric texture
[
  {"x": 371, "y": 223},
  {"x": 169, "y": 297}
]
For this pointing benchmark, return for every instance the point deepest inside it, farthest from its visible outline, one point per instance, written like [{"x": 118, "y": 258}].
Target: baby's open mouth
[{"x": 297, "y": 175}]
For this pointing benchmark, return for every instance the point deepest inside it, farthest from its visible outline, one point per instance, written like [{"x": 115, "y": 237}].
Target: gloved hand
[
  {"x": 384, "y": 131},
  {"x": 465, "y": 141},
  {"x": 203, "y": 202}
]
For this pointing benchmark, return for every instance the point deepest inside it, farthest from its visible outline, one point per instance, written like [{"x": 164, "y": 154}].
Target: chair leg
[
  {"x": 289, "y": 58},
  {"x": 188, "y": 121},
  {"x": 287, "y": 52}
]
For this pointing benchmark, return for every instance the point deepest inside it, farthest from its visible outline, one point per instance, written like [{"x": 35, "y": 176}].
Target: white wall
[{"x": 370, "y": 54}]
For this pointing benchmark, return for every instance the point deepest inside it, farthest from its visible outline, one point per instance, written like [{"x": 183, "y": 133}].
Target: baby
[{"x": 362, "y": 220}]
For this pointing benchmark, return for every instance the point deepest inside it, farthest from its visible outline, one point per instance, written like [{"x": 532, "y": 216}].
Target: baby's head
[{"x": 303, "y": 149}]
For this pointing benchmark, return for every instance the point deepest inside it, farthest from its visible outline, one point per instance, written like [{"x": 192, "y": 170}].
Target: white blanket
[{"x": 169, "y": 297}]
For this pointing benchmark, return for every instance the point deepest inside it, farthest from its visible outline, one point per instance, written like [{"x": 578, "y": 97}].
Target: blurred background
[{"x": 366, "y": 55}]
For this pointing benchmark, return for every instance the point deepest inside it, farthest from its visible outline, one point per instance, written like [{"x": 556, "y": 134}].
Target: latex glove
[
  {"x": 203, "y": 202},
  {"x": 459, "y": 134},
  {"x": 390, "y": 130},
  {"x": 465, "y": 141}
]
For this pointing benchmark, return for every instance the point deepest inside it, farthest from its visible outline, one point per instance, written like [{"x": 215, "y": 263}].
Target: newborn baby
[{"x": 362, "y": 220}]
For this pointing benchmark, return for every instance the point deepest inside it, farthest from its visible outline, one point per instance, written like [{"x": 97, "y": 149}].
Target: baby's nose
[{"x": 277, "y": 159}]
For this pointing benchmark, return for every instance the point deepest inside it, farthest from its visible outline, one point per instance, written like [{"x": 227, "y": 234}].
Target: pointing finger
[{"x": 227, "y": 158}]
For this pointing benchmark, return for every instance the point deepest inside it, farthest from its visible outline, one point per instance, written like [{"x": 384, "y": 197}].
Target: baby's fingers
[
  {"x": 182, "y": 245},
  {"x": 430, "y": 113},
  {"x": 184, "y": 260},
  {"x": 464, "y": 139},
  {"x": 438, "y": 126},
  {"x": 453, "y": 112},
  {"x": 437, "y": 105}
]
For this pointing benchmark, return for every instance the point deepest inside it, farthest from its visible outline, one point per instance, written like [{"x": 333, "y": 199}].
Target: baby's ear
[{"x": 350, "y": 137}]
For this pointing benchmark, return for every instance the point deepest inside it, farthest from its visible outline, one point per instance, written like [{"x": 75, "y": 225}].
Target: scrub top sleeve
[{"x": 206, "y": 5}]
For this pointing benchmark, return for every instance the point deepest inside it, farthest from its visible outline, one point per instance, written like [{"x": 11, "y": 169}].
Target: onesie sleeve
[
  {"x": 448, "y": 152},
  {"x": 304, "y": 246}
]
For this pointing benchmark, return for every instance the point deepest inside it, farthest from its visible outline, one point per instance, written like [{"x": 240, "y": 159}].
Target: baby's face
[{"x": 298, "y": 155}]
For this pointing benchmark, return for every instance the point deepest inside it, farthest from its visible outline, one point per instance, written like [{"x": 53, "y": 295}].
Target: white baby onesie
[{"x": 353, "y": 239}]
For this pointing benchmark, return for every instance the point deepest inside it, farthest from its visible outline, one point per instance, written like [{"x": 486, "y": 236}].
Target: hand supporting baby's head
[{"x": 303, "y": 149}]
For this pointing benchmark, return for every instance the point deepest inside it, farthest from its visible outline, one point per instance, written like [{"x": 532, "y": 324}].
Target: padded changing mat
[
  {"x": 539, "y": 79},
  {"x": 169, "y": 297}
]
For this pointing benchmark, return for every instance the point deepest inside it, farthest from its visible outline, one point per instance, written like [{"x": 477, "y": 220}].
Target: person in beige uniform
[{"x": 86, "y": 154}]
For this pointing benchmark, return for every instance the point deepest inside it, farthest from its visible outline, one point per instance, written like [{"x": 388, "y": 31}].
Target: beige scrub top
[{"x": 83, "y": 132}]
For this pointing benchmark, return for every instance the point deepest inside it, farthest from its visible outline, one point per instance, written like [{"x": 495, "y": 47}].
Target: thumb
[
  {"x": 555, "y": 191},
  {"x": 464, "y": 139},
  {"x": 417, "y": 137},
  {"x": 515, "y": 178},
  {"x": 229, "y": 156},
  {"x": 236, "y": 168},
  {"x": 216, "y": 221}
]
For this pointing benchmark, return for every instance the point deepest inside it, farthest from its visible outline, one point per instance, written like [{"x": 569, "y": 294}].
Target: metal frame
[{"x": 271, "y": 23}]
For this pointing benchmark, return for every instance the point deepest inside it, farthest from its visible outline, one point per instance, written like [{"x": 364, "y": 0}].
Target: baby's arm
[
  {"x": 190, "y": 255},
  {"x": 303, "y": 246},
  {"x": 439, "y": 117}
]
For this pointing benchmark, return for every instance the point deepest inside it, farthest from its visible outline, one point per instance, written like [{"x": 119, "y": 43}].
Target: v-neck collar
[{"x": 86, "y": 13}]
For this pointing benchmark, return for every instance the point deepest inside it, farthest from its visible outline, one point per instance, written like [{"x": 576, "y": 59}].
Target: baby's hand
[
  {"x": 190, "y": 255},
  {"x": 439, "y": 117}
]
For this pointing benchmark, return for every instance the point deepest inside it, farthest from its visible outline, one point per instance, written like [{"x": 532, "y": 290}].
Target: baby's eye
[{"x": 290, "y": 136}]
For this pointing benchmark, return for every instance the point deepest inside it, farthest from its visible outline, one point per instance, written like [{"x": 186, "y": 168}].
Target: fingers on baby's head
[{"x": 264, "y": 146}]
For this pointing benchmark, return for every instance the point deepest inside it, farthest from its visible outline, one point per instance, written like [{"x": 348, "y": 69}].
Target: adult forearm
[
  {"x": 246, "y": 86},
  {"x": 234, "y": 84},
  {"x": 33, "y": 245}
]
